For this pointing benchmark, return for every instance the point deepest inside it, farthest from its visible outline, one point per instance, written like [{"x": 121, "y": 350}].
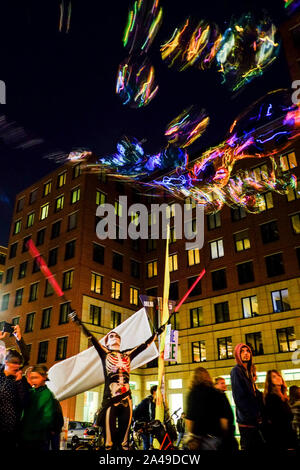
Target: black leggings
[{"x": 118, "y": 436}]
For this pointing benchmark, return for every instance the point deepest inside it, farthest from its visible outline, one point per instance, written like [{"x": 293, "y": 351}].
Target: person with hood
[{"x": 248, "y": 409}]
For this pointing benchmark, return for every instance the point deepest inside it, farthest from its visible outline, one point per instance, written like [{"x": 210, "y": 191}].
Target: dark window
[
  {"x": 33, "y": 292},
  {"x": 5, "y": 301},
  {"x": 225, "y": 347},
  {"x": 152, "y": 292},
  {"x": 222, "y": 312},
  {"x": 214, "y": 221},
  {"x": 52, "y": 258},
  {"x": 68, "y": 279},
  {"x": 197, "y": 289},
  {"x": 40, "y": 237},
  {"x": 286, "y": 339},
  {"x": 29, "y": 322},
  {"x": 174, "y": 291},
  {"x": 20, "y": 204},
  {"x": 95, "y": 315},
  {"x": 9, "y": 275},
  {"x": 19, "y": 297},
  {"x": 196, "y": 317},
  {"x": 298, "y": 256},
  {"x": 16, "y": 321},
  {"x": 120, "y": 234},
  {"x": 254, "y": 340},
  {"x": 43, "y": 352},
  {"x": 2, "y": 258},
  {"x": 280, "y": 300},
  {"x": 219, "y": 279},
  {"x": 61, "y": 348},
  {"x": 13, "y": 250},
  {"x": 35, "y": 266},
  {"x": 72, "y": 221},
  {"x": 33, "y": 196},
  {"x": 245, "y": 272},
  {"x": 63, "y": 313},
  {"x": 115, "y": 319},
  {"x": 55, "y": 230},
  {"x": 98, "y": 253},
  {"x": 274, "y": 265},
  {"x": 117, "y": 262},
  {"x": 70, "y": 249},
  {"x": 135, "y": 244},
  {"x": 22, "y": 270},
  {"x": 198, "y": 351},
  {"x": 48, "y": 289},
  {"x": 295, "y": 33},
  {"x": 238, "y": 214},
  {"x": 269, "y": 232},
  {"x": 1, "y": 277},
  {"x": 25, "y": 247},
  {"x": 151, "y": 244},
  {"x": 152, "y": 364},
  {"x": 135, "y": 269},
  {"x": 46, "y": 317}
]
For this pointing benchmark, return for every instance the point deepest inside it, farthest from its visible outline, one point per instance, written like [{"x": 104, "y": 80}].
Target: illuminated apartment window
[
  {"x": 254, "y": 340},
  {"x": 40, "y": 237},
  {"x": 242, "y": 240},
  {"x": 46, "y": 317},
  {"x": 20, "y": 204},
  {"x": 134, "y": 296},
  {"x": 59, "y": 203},
  {"x": 216, "y": 249},
  {"x": 68, "y": 279},
  {"x": 47, "y": 188},
  {"x": 250, "y": 306},
  {"x": 29, "y": 322},
  {"x": 288, "y": 161},
  {"x": 214, "y": 221},
  {"x": 33, "y": 292},
  {"x": 115, "y": 319},
  {"x": 9, "y": 275},
  {"x": 286, "y": 338},
  {"x": 196, "y": 317},
  {"x": 274, "y": 265},
  {"x": 19, "y": 297},
  {"x": 61, "y": 179},
  {"x": 64, "y": 310},
  {"x": 175, "y": 383},
  {"x": 17, "y": 227},
  {"x": 5, "y": 302},
  {"x": 61, "y": 348},
  {"x": 266, "y": 201},
  {"x": 96, "y": 283},
  {"x": 225, "y": 347},
  {"x": 118, "y": 209},
  {"x": 75, "y": 195},
  {"x": 193, "y": 257},
  {"x": 100, "y": 198},
  {"x": 173, "y": 263},
  {"x": 95, "y": 315},
  {"x": 269, "y": 232},
  {"x": 198, "y": 351},
  {"x": 172, "y": 238},
  {"x": 33, "y": 196},
  {"x": 44, "y": 211},
  {"x": 42, "y": 352},
  {"x": 76, "y": 171},
  {"x": 295, "y": 221},
  {"x": 221, "y": 312},
  {"x": 151, "y": 269},
  {"x": 22, "y": 270},
  {"x": 30, "y": 219},
  {"x": 116, "y": 290},
  {"x": 280, "y": 300},
  {"x": 294, "y": 193}
]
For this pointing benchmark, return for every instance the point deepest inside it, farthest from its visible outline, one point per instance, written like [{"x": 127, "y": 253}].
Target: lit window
[
  {"x": 250, "y": 306},
  {"x": 286, "y": 339},
  {"x": 216, "y": 249},
  {"x": 75, "y": 195},
  {"x": 100, "y": 198},
  {"x": 173, "y": 263},
  {"x": 225, "y": 348},
  {"x": 59, "y": 203},
  {"x": 96, "y": 283},
  {"x": 47, "y": 188},
  {"x": 295, "y": 221},
  {"x": 46, "y": 316},
  {"x": 175, "y": 383},
  {"x": 294, "y": 193},
  {"x": 152, "y": 269},
  {"x": 134, "y": 296},
  {"x": 64, "y": 310},
  {"x": 5, "y": 302},
  {"x": 261, "y": 172},
  {"x": 288, "y": 161},
  {"x": 242, "y": 240},
  {"x": 118, "y": 208},
  {"x": 68, "y": 279},
  {"x": 198, "y": 351},
  {"x": 115, "y": 319},
  {"x": 44, "y": 211},
  {"x": 33, "y": 292},
  {"x": 95, "y": 315},
  {"x": 116, "y": 290},
  {"x": 77, "y": 171},
  {"x": 280, "y": 300},
  {"x": 17, "y": 227},
  {"x": 61, "y": 348},
  {"x": 196, "y": 317},
  {"x": 193, "y": 257},
  {"x": 61, "y": 179},
  {"x": 30, "y": 219},
  {"x": 266, "y": 201},
  {"x": 43, "y": 352}
]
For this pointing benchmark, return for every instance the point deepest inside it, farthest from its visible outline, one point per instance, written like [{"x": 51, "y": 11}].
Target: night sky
[{"x": 61, "y": 87}]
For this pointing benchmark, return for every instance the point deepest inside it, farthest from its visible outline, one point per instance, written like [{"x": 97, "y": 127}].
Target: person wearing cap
[
  {"x": 39, "y": 413},
  {"x": 248, "y": 410},
  {"x": 13, "y": 392},
  {"x": 115, "y": 414}
]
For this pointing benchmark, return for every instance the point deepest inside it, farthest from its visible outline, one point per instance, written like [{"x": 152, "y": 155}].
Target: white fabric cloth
[{"x": 84, "y": 371}]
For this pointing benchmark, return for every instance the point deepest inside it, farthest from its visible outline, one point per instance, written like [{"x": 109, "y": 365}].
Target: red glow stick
[
  {"x": 43, "y": 267},
  {"x": 190, "y": 290}
]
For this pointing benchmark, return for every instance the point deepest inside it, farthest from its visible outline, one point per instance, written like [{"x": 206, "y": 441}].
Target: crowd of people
[{"x": 31, "y": 417}]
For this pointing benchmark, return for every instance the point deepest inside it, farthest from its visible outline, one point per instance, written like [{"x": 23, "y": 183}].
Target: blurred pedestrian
[
  {"x": 279, "y": 432},
  {"x": 248, "y": 410},
  {"x": 294, "y": 401},
  {"x": 180, "y": 426},
  {"x": 230, "y": 443},
  {"x": 206, "y": 420},
  {"x": 39, "y": 413},
  {"x": 145, "y": 412}
]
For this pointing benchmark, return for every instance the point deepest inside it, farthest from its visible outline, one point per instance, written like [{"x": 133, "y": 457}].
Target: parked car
[{"x": 77, "y": 428}]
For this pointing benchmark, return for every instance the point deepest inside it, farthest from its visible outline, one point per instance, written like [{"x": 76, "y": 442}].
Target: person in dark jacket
[
  {"x": 231, "y": 443},
  {"x": 58, "y": 422},
  {"x": 206, "y": 420},
  {"x": 145, "y": 412},
  {"x": 248, "y": 412},
  {"x": 13, "y": 392},
  {"x": 180, "y": 426},
  {"x": 280, "y": 435},
  {"x": 294, "y": 402}
]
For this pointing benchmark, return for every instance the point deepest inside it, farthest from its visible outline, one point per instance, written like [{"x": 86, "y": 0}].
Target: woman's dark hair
[
  {"x": 153, "y": 389},
  {"x": 201, "y": 377},
  {"x": 12, "y": 355},
  {"x": 270, "y": 388},
  {"x": 294, "y": 392}
]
